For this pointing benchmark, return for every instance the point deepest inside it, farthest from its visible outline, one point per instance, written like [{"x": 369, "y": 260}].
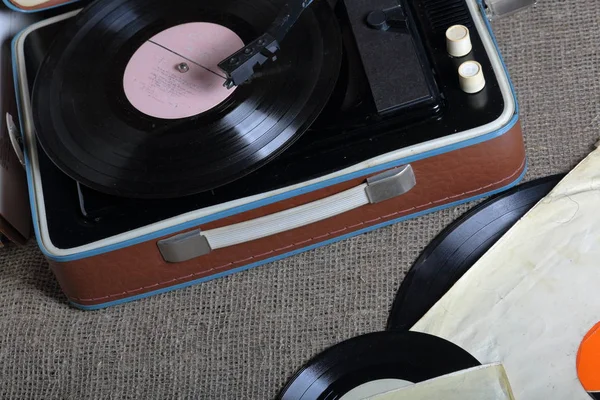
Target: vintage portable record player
[{"x": 363, "y": 120}]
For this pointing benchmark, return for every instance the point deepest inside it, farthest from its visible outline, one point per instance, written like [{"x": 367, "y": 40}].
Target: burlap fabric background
[{"x": 241, "y": 337}]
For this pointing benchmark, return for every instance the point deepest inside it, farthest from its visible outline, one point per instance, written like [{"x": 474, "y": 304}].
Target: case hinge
[{"x": 15, "y": 138}]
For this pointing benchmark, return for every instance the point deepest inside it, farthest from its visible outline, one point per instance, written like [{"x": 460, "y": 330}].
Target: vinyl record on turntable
[
  {"x": 374, "y": 363},
  {"x": 130, "y": 99}
]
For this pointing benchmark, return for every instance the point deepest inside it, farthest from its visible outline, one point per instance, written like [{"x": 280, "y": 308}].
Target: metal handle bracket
[{"x": 391, "y": 184}]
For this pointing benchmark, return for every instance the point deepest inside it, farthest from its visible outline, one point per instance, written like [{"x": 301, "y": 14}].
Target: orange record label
[{"x": 588, "y": 362}]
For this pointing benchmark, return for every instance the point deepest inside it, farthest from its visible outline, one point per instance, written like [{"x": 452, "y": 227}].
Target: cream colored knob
[
  {"x": 458, "y": 41},
  {"x": 470, "y": 75}
]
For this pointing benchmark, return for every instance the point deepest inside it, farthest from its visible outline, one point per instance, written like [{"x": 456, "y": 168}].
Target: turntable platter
[{"x": 129, "y": 101}]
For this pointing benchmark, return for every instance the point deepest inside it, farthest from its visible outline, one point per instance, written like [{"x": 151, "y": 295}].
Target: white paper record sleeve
[
  {"x": 486, "y": 382},
  {"x": 529, "y": 302}
]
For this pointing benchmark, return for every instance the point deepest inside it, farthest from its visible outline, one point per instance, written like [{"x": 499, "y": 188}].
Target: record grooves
[
  {"x": 348, "y": 132},
  {"x": 406, "y": 356},
  {"x": 92, "y": 132},
  {"x": 450, "y": 255}
]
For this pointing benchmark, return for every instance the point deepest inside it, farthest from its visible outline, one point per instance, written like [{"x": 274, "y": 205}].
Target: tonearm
[{"x": 241, "y": 65}]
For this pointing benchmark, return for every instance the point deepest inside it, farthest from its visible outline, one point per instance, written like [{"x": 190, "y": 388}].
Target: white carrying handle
[{"x": 379, "y": 188}]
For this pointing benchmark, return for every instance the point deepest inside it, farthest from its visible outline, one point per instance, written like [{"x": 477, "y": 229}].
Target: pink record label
[{"x": 175, "y": 74}]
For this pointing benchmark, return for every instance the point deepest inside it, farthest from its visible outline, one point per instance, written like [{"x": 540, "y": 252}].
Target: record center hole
[{"x": 175, "y": 73}]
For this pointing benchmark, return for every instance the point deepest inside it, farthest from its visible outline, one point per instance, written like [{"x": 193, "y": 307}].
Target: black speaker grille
[{"x": 444, "y": 13}]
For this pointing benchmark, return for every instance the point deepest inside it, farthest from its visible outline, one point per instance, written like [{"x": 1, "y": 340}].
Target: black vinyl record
[
  {"x": 446, "y": 259},
  {"x": 88, "y": 126},
  {"x": 406, "y": 356}
]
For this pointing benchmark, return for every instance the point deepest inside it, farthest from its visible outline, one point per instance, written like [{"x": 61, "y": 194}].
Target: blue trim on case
[
  {"x": 292, "y": 253},
  {"x": 15, "y": 8},
  {"x": 30, "y": 185},
  {"x": 259, "y": 203},
  {"x": 276, "y": 198}
]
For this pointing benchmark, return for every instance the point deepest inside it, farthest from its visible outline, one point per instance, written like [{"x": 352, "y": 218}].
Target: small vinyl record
[
  {"x": 374, "y": 363},
  {"x": 446, "y": 259},
  {"x": 130, "y": 100}
]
